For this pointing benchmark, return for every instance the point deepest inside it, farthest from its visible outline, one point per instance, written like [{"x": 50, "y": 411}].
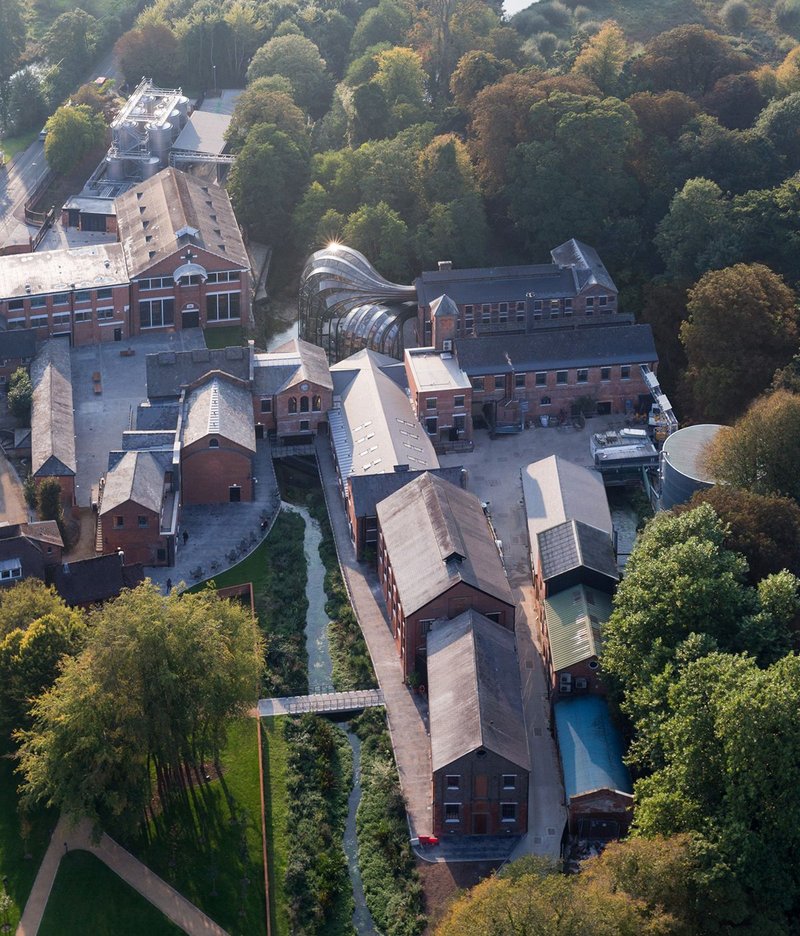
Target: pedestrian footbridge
[{"x": 323, "y": 703}]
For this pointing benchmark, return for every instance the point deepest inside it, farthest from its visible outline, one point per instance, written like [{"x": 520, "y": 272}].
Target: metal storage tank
[
  {"x": 177, "y": 120},
  {"x": 150, "y": 167},
  {"x": 682, "y": 468},
  {"x": 115, "y": 168},
  {"x": 161, "y": 141},
  {"x": 182, "y": 106}
]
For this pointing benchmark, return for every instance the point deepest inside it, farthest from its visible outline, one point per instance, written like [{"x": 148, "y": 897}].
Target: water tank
[
  {"x": 177, "y": 123},
  {"x": 126, "y": 136},
  {"x": 182, "y": 106},
  {"x": 682, "y": 464},
  {"x": 115, "y": 169},
  {"x": 150, "y": 167}
]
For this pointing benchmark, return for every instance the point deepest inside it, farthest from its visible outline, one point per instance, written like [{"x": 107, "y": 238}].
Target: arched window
[
  {"x": 213, "y": 443},
  {"x": 304, "y": 404},
  {"x": 292, "y": 404},
  {"x": 316, "y": 403}
]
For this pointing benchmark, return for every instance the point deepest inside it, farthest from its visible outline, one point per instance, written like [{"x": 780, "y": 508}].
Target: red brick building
[
  {"x": 180, "y": 262},
  {"x": 28, "y": 550},
  {"x": 131, "y": 510},
  {"x": 292, "y": 389},
  {"x": 572, "y": 624},
  {"x": 218, "y": 442},
  {"x": 479, "y": 749},
  {"x": 437, "y": 558},
  {"x": 184, "y": 252},
  {"x": 441, "y": 396}
]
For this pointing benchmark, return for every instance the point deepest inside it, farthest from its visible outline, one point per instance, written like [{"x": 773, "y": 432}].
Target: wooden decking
[{"x": 321, "y": 702}]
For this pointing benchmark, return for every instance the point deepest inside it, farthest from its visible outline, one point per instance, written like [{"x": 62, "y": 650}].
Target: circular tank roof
[{"x": 684, "y": 450}]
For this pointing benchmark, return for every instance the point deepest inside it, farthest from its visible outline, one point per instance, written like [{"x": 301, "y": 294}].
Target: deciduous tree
[
  {"x": 261, "y": 103},
  {"x": 695, "y": 234},
  {"x": 727, "y": 308},
  {"x": 151, "y": 50},
  {"x": 603, "y": 57},
  {"x": 20, "y": 395},
  {"x": 475, "y": 71},
  {"x": 297, "y": 59},
  {"x": 72, "y": 132},
  {"x": 382, "y": 236}
]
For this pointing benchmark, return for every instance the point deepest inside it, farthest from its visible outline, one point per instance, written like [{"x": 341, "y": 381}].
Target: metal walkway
[{"x": 321, "y": 702}]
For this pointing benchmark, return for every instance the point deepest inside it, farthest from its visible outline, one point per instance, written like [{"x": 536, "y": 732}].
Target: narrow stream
[{"x": 320, "y": 674}]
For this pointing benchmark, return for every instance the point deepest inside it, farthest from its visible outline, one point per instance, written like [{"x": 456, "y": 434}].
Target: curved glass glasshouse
[{"x": 346, "y": 305}]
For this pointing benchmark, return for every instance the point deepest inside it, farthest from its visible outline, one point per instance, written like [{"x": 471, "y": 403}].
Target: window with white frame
[
  {"x": 509, "y": 781},
  {"x": 221, "y": 307},
  {"x": 156, "y": 313}
]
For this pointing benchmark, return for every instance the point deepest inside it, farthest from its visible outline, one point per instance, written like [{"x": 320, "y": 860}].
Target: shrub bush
[{"x": 736, "y": 15}]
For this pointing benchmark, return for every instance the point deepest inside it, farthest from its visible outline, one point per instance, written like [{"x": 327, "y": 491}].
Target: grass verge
[
  {"x": 210, "y": 848},
  {"x": 23, "y": 841},
  {"x": 225, "y": 336},
  {"x": 88, "y": 897},
  {"x": 18, "y": 144}
]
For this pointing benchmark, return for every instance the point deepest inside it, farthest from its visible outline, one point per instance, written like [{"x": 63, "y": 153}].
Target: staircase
[{"x": 98, "y": 536}]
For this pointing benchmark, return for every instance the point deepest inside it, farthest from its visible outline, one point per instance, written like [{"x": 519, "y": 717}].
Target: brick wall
[
  {"x": 207, "y": 474},
  {"x": 480, "y": 793},
  {"x": 139, "y": 543}
]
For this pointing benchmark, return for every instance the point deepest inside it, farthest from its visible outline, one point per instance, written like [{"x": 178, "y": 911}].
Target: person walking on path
[
  {"x": 185, "y": 537},
  {"x": 169, "y": 585}
]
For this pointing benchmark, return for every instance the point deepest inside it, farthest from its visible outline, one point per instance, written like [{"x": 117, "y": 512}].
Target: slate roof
[
  {"x": 159, "y": 416},
  {"x": 137, "y": 477},
  {"x": 292, "y": 363},
  {"x": 91, "y": 581},
  {"x": 374, "y": 428},
  {"x": 590, "y": 747},
  {"x": 443, "y": 306},
  {"x": 52, "y": 415},
  {"x": 590, "y": 346},
  {"x": 574, "y": 544},
  {"x": 168, "y": 372},
  {"x": 168, "y": 203},
  {"x": 133, "y": 439},
  {"x": 437, "y": 535},
  {"x": 41, "y": 531},
  {"x": 556, "y": 490},
  {"x": 576, "y": 266},
  {"x": 585, "y": 261},
  {"x": 474, "y": 691},
  {"x": 220, "y": 407},
  {"x": 368, "y": 491},
  {"x": 18, "y": 344},
  {"x": 575, "y": 618}
]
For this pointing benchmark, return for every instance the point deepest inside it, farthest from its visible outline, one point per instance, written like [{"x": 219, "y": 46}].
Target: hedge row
[
  {"x": 319, "y": 778},
  {"x": 391, "y": 883}
]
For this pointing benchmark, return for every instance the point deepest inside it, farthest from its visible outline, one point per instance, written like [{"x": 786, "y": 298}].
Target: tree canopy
[
  {"x": 154, "y": 686},
  {"x": 72, "y": 132}
]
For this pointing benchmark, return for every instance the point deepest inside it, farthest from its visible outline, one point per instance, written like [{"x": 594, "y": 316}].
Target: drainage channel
[{"x": 320, "y": 673}]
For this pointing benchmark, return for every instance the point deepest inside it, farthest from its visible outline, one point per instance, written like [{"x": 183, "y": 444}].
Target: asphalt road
[{"x": 28, "y": 167}]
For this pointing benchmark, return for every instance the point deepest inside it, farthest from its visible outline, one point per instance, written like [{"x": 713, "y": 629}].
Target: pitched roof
[
  {"x": 495, "y": 284},
  {"x": 474, "y": 691},
  {"x": 443, "y": 306},
  {"x": 292, "y": 363},
  {"x": 585, "y": 261},
  {"x": 368, "y": 491},
  {"x": 374, "y": 429},
  {"x": 573, "y": 545},
  {"x": 575, "y": 618},
  {"x": 204, "y": 133},
  {"x": 52, "y": 415},
  {"x": 41, "y": 531},
  {"x": 169, "y": 372},
  {"x": 219, "y": 406},
  {"x": 172, "y": 203},
  {"x": 556, "y": 490},
  {"x": 136, "y": 477},
  {"x": 19, "y": 343},
  {"x": 589, "y": 346},
  {"x": 437, "y": 535},
  {"x": 90, "y": 581},
  {"x": 590, "y": 747}
]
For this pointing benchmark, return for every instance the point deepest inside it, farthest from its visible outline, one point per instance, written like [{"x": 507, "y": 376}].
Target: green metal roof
[{"x": 574, "y": 621}]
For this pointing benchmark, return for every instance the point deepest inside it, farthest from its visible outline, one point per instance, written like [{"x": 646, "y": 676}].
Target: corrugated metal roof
[
  {"x": 590, "y": 747},
  {"x": 575, "y": 618},
  {"x": 474, "y": 691},
  {"x": 437, "y": 535}
]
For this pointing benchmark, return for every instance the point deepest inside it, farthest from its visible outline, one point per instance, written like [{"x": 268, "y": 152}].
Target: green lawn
[
  {"x": 13, "y": 145},
  {"x": 211, "y": 851},
  {"x": 226, "y": 336},
  {"x": 88, "y": 897},
  {"x": 19, "y": 857},
  {"x": 274, "y": 752}
]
